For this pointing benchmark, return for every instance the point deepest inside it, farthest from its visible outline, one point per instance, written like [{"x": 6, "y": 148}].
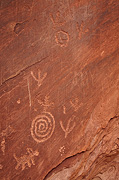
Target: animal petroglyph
[
  {"x": 75, "y": 104},
  {"x": 46, "y": 103},
  {"x": 43, "y": 127},
  {"x": 4, "y": 134},
  {"x": 62, "y": 38},
  {"x": 27, "y": 159},
  {"x": 39, "y": 79},
  {"x": 68, "y": 128}
]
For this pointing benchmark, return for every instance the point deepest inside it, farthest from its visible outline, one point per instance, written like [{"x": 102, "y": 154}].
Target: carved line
[
  {"x": 42, "y": 127},
  {"x": 68, "y": 129},
  {"x": 64, "y": 109},
  {"x": 39, "y": 80},
  {"x": 29, "y": 92}
]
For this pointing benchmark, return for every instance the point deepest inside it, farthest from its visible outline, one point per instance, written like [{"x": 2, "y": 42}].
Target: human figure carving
[
  {"x": 68, "y": 129},
  {"x": 58, "y": 20},
  {"x": 75, "y": 104},
  {"x": 46, "y": 103},
  {"x": 39, "y": 79},
  {"x": 81, "y": 30},
  {"x": 62, "y": 38}
]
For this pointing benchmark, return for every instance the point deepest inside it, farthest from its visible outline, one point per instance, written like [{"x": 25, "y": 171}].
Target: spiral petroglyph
[{"x": 42, "y": 127}]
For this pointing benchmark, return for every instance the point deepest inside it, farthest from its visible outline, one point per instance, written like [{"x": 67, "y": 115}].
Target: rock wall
[{"x": 59, "y": 90}]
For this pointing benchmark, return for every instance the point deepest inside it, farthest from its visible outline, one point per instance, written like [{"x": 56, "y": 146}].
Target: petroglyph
[
  {"x": 75, "y": 104},
  {"x": 46, "y": 103},
  {"x": 62, "y": 150},
  {"x": 57, "y": 19},
  {"x": 42, "y": 127},
  {"x": 81, "y": 30},
  {"x": 3, "y": 146},
  {"x": 62, "y": 38},
  {"x": 39, "y": 79},
  {"x": 29, "y": 93},
  {"x": 64, "y": 109},
  {"x": 18, "y": 101},
  {"x": 102, "y": 53},
  {"x": 68, "y": 128},
  {"x": 4, "y": 134},
  {"x": 27, "y": 159}
]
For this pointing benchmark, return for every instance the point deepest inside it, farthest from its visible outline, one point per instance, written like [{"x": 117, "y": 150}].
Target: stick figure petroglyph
[
  {"x": 75, "y": 104},
  {"x": 39, "y": 79},
  {"x": 27, "y": 159},
  {"x": 81, "y": 29},
  {"x": 46, "y": 103},
  {"x": 68, "y": 128},
  {"x": 57, "y": 19}
]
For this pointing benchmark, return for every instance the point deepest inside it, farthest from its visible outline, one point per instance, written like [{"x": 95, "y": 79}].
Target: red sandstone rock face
[{"x": 59, "y": 92}]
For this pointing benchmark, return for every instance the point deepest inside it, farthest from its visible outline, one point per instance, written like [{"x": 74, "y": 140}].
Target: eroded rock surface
[{"x": 59, "y": 90}]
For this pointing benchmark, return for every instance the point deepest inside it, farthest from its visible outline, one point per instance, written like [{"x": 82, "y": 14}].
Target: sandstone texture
[{"x": 59, "y": 90}]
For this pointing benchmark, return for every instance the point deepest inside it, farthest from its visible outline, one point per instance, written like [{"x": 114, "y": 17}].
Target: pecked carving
[
  {"x": 27, "y": 159},
  {"x": 5, "y": 134},
  {"x": 69, "y": 127},
  {"x": 62, "y": 38}
]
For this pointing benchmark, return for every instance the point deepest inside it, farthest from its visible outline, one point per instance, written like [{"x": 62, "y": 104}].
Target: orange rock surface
[{"x": 59, "y": 90}]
